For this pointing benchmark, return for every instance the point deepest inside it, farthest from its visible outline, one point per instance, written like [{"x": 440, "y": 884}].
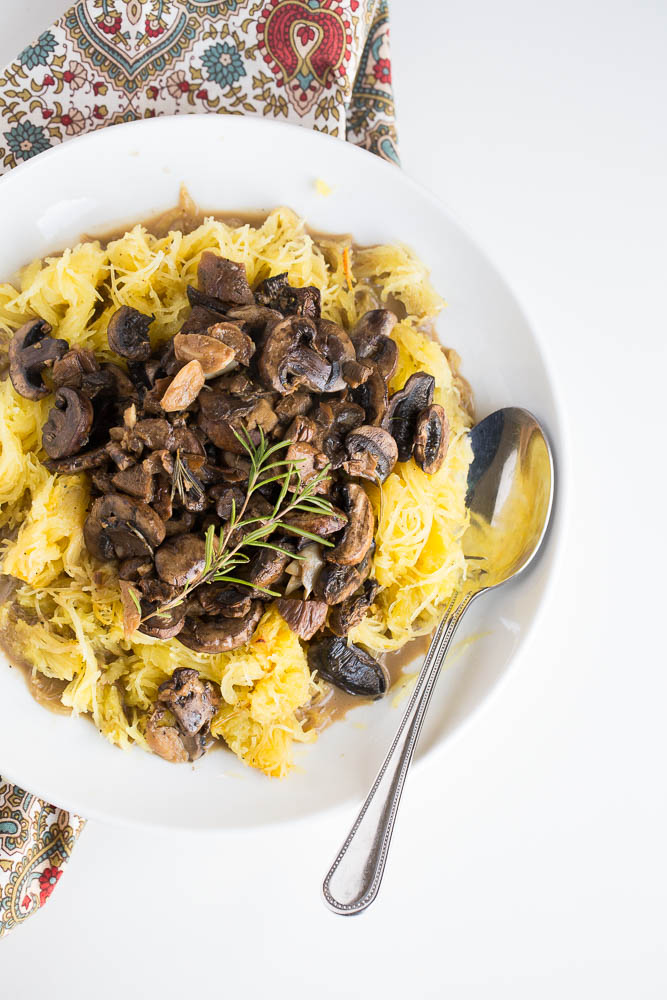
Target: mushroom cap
[
  {"x": 180, "y": 559},
  {"x": 67, "y": 428},
  {"x": 305, "y": 618},
  {"x": 220, "y": 635},
  {"x": 372, "y": 395},
  {"x": 351, "y": 611},
  {"x": 164, "y": 625},
  {"x": 431, "y": 438},
  {"x": 277, "y": 293},
  {"x": 348, "y": 667},
  {"x": 119, "y": 527},
  {"x": 233, "y": 336},
  {"x": 223, "y": 279},
  {"x": 375, "y": 443},
  {"x": 31, "y": 350},
  {"x": 404, "y": 409},
  {"x": 192, "y": 701},
  {"x": 372, "y": 341},
  {"x": 127, "y": 333},
  {"x": 357, "y": 537},
  {"x": 289, "y": 360}
]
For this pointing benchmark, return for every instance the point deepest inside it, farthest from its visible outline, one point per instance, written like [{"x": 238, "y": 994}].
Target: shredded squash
[{"x": 66, "y": 616}]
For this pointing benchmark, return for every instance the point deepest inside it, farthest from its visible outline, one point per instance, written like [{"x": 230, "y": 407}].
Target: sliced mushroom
[
  {"x": 223, "y": 416},
  {"x": 295, "y": 405},
  {"x": 372, "y": 341},
  {"x": 68, "y": 426},
  {"x": 31, "y": 350},
  {"x": 287, "y": 359},
  {"x": 200, "y": 319},
  {"x": 333, "y": 342},
  {"x": 316, "y": 524},
  {"x": 135, "y": 568},
  {"x": 267, "y": 565},
  {"x": 351, "y": 611},
  {"x": 277, "y": 293},
  {"x": 71, "y": 368},
  {"x": 161, "y": 624},
  {"x": 127, "y": 334},
  {"x": 119, "y": 527},
  {"x": 372, "y": 453},
  {"x": 305, "y": 618},
  {"x": 230, "y": 602},
  {"x": 373, "y": 397},
  {"x": 357, "y": 537},
  {"x": 309, "y": 462},
  {"x": 138, "y": 481},
  {"x": 220, "y": 635},
  {"x": 431, "y": 438},
  {"x": 213, "y": 356},
  {"x": 180, "y": 559},
  {"x": 192, "y": 701},
  {"x": 334, "y": 583},
  {"x": 233, "y": 336},
  {"x": 355, "y": 373},
  {"x": 404, "y": 409},
  {"x": 164, "y": 740},
  {"x": 184, "y": 388},
  {"x": 348, "y": 667},
  {"x": 156, "y": 433},
  {"x": 223, "y": 279},
  {"x": 84, "y": 461}
]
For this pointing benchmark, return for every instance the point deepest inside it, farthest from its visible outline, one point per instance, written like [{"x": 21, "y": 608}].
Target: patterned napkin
[{"x": 323, "y": 64}]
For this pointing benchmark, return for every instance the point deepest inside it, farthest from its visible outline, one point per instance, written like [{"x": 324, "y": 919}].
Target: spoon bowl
[{"x": 509, "y": 497}]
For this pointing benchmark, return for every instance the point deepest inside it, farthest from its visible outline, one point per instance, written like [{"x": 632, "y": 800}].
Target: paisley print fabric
[{"x": 323, "y": 64}]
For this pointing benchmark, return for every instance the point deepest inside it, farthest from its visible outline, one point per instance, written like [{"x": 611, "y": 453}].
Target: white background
[{"x": 529, "y": 859}]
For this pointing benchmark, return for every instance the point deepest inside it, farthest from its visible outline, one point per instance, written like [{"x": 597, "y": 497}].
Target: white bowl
[{"x": 130, "y": 172}]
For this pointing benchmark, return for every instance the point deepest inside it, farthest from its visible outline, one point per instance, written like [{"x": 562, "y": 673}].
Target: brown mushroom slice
[
  {"x": 135, "y": 568},
  {"x": 127, "y": 334},
  {"x": 163, "y": 740},
  {"x": 156, "y": 433},
  {"x": 268, "y": 565},
  {"x": 192, "y": 701},
  {"x": 336, "y": 583},
  {"x": 277, "y": 293},
  {"x": 184, "y": 388},
  {"x": 181, "y": 559},
  {"x": 223, "y": 416},
  {"x": 372, "y": 395},
  {"x": 352, "y": 610},
  {"x": 138, "y": 481},
  {"x": 233, "y": 336},
  {"x": 309, "y": 463},
  {"x": 67, "y": 428},
  {"x": 358, "y": 535},
  {"x": 213, "y": 356},
  {"x": 223, "y": 279},
  {"x": 431, "y": 439},
  {"x": 372, "y": 341},
  {"x": 287, "y": 359},
  {"x": 84, "y": 461},
  {"x": 119, "y": 527},
  {"x": 332, "y": 341},
  {"x": 220, "y": 635},
  {"x": 355, "y": 373},
  {"x": 404, "y": 409},
  {"x": 200, "y": 319},
  {"x": 295, "y": 405},
  {"x": 305, "y": 618},
  {"x": 161, "y": 624},
  {"x": 322, "y": 525},
  {"x": 71, "y": 368},
  {"x": 230, "y": 602},
  {"x": 31, "y": 350},
  {"x": 348, "y": 667},
  {"x": 372, "y": 453}
]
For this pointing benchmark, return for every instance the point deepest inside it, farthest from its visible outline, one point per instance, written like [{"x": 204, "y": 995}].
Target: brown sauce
[{"x": 47, "y": 691}]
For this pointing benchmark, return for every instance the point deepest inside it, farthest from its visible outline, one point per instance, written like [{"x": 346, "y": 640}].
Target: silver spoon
[{"x": 510, "y": 493}]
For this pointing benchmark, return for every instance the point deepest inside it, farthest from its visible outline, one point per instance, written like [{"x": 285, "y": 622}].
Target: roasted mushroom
[
  {"x": 305, "y": 618},
  {"x": 316, "y": 523},
  {"x": 223, "y": 279},
  {"x": 372, "y": 341},
  {"x": 192, "y": 701},
  {"x": 288, "y": 361},
  {"x": 373, "y": 397},
  {"x": 119, "y": 527},
  {"x": 161, "y": 624},
  {"x": 220, "y": 635},
  {"x": 431, "y": 438},
  {"x": 68, "y": 426},
  {"x": 127, "y": 334},
  {"x": 372, "y": 453},
  {"x": 351, "y": 611},
  {"x": 71, "y": 368},
  {"x": 348, "y": 667},
  {"x": 357, "y": 537},
  {"x": 83, "y": 462},
  {"x": 404, "y": 409},
  {"x": 277, "y": 293},
  {"x": 233, "y": 336},
  {"x": 31, "y": 350},
  {"x": 180, "y": 559}
]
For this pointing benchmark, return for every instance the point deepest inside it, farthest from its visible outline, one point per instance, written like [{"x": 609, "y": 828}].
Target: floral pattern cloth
[{"x": 324, "y": 64}]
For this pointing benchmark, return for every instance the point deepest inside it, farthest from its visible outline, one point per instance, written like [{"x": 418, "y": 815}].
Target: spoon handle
[{"x": 353, "y": 881}]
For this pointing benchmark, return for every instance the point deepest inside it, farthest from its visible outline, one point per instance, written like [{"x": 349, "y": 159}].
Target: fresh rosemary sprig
[{"x": 295, "y": 497}]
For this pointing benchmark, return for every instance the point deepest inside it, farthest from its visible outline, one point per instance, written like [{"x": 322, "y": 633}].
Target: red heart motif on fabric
[{"x": 307, "y": 40}]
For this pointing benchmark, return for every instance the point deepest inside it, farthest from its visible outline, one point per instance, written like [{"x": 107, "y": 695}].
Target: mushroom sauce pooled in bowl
[{"x": 233, "y": 467}]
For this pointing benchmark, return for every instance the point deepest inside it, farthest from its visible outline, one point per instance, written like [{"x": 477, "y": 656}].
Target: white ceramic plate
[{"x": 131, "y": 171}]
